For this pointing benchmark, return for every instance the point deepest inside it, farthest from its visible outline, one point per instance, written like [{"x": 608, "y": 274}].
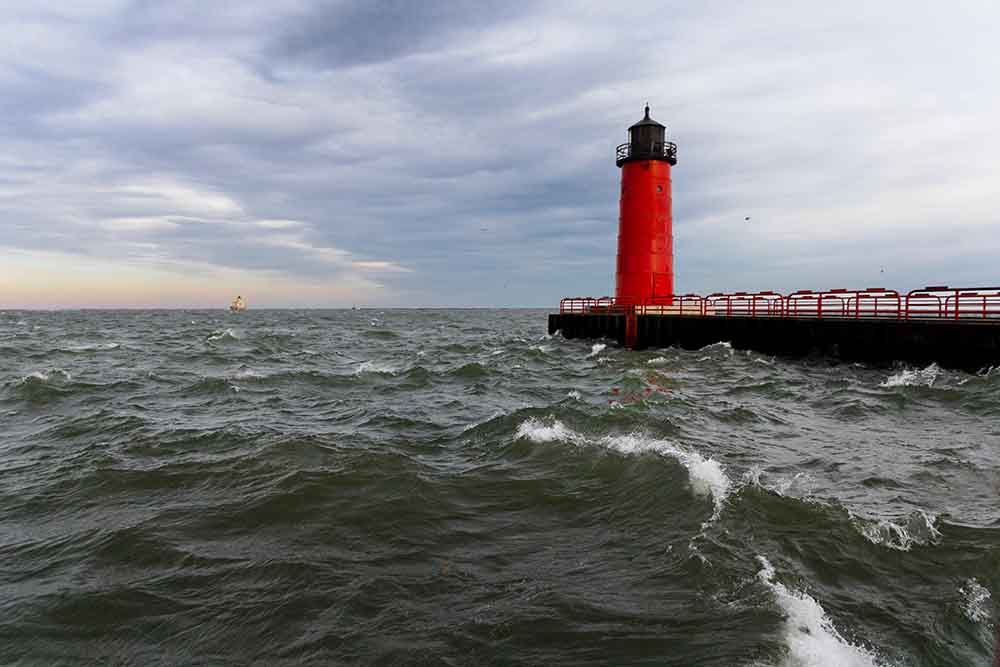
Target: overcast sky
[{"x": 309, "y": 153}]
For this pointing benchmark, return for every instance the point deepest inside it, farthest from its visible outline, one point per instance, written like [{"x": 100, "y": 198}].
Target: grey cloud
[
  {"x": 344, "y": 34},
  {"x": 395, "y": 133}
]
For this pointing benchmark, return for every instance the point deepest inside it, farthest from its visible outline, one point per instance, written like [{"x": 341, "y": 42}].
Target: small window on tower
[{"x": 659, "y": 188}]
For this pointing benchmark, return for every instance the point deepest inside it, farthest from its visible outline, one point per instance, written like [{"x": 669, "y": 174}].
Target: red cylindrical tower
[{"x": 645, "y": 272}]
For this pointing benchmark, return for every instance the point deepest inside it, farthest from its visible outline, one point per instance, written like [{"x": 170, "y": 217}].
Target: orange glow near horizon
[{"x": 45, "y": 280}]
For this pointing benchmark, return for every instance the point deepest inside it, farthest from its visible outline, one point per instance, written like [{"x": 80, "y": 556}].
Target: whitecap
[
  {"x": 810, "y": 635},
  {"x": 975, "y": 601},
  {"x": 374, "y": 367},
  {"x": 658, "y": 361},
  {"x": 496, "y": 414},
  {"x": 596, "y": 349},
  {"x": 706, "y": 475},
  {"x": 918, "y": 529},
  {"x": 91, "y": 347},
  {"x": 574, "y": 394},
  {"x": 793, "y": 486},
  {"x": 55, "y": 375},
  {"x": 225, "y": 334},
  {"x": 912, "y": 378},
  {"x": 247, "y": 373},
  {"x": 538, "y": 431}
]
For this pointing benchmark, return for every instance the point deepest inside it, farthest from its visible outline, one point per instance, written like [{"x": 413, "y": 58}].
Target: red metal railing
[{"x": 929, "y": 303}]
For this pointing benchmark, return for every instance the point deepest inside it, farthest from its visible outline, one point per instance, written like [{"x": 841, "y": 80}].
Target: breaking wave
[
  {"x": 809, "y": 634},
  {"x": 914, "y": 378},
  {"x": 375, "y": 368},
  {"x": 975, "y": 601},
  {"x": 706, "y": 475},
  {"x": 919, "y": 529}
]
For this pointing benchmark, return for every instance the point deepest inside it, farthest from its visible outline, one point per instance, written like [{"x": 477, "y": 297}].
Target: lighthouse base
[{"x": 962, "y": 344}]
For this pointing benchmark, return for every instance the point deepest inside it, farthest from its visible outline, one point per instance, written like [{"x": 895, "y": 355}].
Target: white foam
[
  {"x": 55, "y": 375},
  {"x": 574, "y": 394},
  {"x": 658, "y": 361},
  {"x": 247, "y": 373},
  {"x": 538, "y": 431},
  {"x": 919, "y": 529},
  {"x": 911, "y": 378},
  {"x": 975, "y": 601},
  {"x": 596, "y": 349},
  {"x": 224, "y": 334},
  {"x": 792, "y": 486},
  {"x": 374, "y": 367},
  {"x": 92, "y": 347},
  {"x": 810, "y": 635}
]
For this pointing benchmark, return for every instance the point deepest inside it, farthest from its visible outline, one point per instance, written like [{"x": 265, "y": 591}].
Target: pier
[{"x": 953, "y": 327}]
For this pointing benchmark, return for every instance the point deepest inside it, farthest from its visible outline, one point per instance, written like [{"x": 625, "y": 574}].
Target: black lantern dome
[{"x": 647, "y": 141}]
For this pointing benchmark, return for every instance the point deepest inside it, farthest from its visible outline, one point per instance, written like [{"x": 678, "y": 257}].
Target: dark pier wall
[{"x": 956, "y": 344}]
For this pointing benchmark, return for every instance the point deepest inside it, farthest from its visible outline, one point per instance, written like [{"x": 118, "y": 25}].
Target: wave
[
  {"x": 707, "y": 478},
  {"x": 919, "y": 529},
  {"x": 537, "y": 431},
  {"x": 54, "y": 376},
  {"x": 717, "y": 351},
  {"x": 247, "y": 373},
  {"x": 795, "y": 486},
  {"x": 224, "y": 335},
  {"x": 375, "y": 368},
  {"x": 596, "y": 349},
  {"x": 706, "y": 474},
  {"x": 470, "y": 370},
  {"x": 975, "y": 601},
  {"x": 913, "y": 378},
  {"x": 209, "y": 385},
  {"x": 91, "y": 347},
  {"x": 809, "y": 634}
]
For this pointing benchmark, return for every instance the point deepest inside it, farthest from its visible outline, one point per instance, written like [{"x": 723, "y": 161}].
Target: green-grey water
[{"x": 458, "y": 487}]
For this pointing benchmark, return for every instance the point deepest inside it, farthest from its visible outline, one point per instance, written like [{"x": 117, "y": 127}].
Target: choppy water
[{"x": 456, "y": 487}]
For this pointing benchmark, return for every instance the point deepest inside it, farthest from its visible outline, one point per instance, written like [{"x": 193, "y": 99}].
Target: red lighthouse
[{"x": 645, "y": 270}]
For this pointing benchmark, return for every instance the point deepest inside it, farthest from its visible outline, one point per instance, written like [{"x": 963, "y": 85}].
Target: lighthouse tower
[{"x": 645, "y": 270}]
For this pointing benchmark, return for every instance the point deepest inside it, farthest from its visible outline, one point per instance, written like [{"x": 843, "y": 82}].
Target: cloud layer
[{"x": 449, "y": 153}]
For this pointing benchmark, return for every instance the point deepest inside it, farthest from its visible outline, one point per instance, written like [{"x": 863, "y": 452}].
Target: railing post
[{"x": 631, "y": 327}]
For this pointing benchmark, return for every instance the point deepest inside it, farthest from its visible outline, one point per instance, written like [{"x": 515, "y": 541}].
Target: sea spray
[{"x": 809, "y": 634}]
